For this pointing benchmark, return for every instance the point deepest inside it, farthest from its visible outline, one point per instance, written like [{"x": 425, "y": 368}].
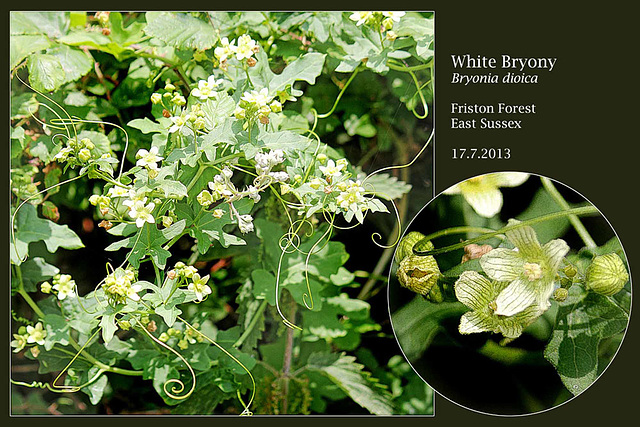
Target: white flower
[
  {"x": 253, "y": 193},
  {"x": 482, "y": 193},
  {"x": 148, "y": 159},
  {"x": 65, "y": 286},
  {"x": 245, "y": 48},
  {"x": 118, "y": 191},
  {"x": 19, "y": 342},
  {"x": 351, "y": 198},
  {"x": 395, "y": 16},
  {"x": 245, "y": 223},
  {"x": 63, "y": 154},
  {"x": 37, "y": 334},
  {"x": 279, "y": 176},
  {"x": 258, "y": 98},
  {"x": 199, "y": 286},
  {"x": 360, "y": 17},
  {"x": 316, "y": 183},
  {"x": 205, "y": 89},
  {"x": 178, "y": 123},
  {"x": 224, "y": 51},
  {"x": 142, "y": 213},
  {"x": 118, "y": 285},
  {"x": 331, "y": 170}
]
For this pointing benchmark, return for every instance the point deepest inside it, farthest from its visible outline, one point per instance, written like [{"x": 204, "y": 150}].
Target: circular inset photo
[{"x": 509, "y": 293}]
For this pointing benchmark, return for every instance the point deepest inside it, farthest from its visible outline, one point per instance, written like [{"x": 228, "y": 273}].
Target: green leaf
[
  {"x": 30, "y": 228},
  {"x": 305, "y": 68},
  {"x": 180, "y": 30},
  {"x": 384, "y": 186},
  {"x": 349, "y": 375},
  {"x": 24, "y": 45},
  {"x": 331, "y": 321},
  {"x": 46, "y": 73},
  {"x": 57, "y": 331},
  {"x": 75, "y": 62},
  {"x": 96, "y": 389},
  {"x": 583, "y": 320},
  {"x": 36, "y": 270},
  {"x": 418, "y": 322},
  {"x": 108, "y": 325},
  {"x": 53, "y": 24}
]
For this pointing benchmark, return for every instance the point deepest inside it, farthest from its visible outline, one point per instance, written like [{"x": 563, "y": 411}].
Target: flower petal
[
  {"x": 525, "y": 239},
  {"x": 454, "y": 189},
  {"x": 509, "y": 179},
  {"x": 554, "y": 251},
  {"x": 515, "y": 298},
  {"x": 502, "y": 264},
  {"x": 474, "y": 322},
  {"x": 486, "y": 201},
  {"x": 474, "y": 290}
]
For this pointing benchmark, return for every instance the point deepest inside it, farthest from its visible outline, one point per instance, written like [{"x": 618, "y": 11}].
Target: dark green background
[{"x": 584, "y": 136}]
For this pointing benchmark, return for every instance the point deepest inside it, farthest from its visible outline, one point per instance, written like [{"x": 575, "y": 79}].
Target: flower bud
[
  {"x": 156, "y": 98},
  {"x": 570, "y": 271},
  {"x": 205, "y": 198},
  {"x": 167, "y": 221},
  {"x": 218, "y": 213},
  {"x": 183, "y": 344},
  {"x": 169, "y": 87},
  {"x": 125, "y": 325},
  {"x": 418, "y": 273},
  {"x": 560, "y": 294},
  {"x": 322, "y": 158},
  {"x": 405, "y": 247},
  {"x": 606, "y": 275},
  {"x": 164, "y": 337},
  {"x": 251, "y": 62},
  {"x": 45, "y": 288},
  {"x": 84, "y": 155}
]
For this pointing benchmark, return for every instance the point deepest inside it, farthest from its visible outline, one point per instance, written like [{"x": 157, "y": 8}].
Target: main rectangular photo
[{"x": 204, "y": 206}]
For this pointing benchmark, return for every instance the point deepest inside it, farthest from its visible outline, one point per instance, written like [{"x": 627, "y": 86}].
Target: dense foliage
[{"x": 221, "y": 156}]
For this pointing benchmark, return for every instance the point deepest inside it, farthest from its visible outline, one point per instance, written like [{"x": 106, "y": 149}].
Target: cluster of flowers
[
  {"x": 242, "y": 48},
  {"x": 189, "y": 274},
  {"x": 334, "y": 181},
  {"x": 222, "y": 187},
  {"x": 180, "y": 338},
  {"x": 63, "y": 285},
  {"x": 382, "y": 20},
  {"x": 171, "y": 95},
  {"x": 78, "y": 153},
  {"x": 257, "y": 105},
  {"x": 120, "y": 285},
  {"x": 28, "y": 335}
]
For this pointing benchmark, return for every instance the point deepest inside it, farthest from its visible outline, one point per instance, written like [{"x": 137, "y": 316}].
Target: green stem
[
  {"x": 575, "y": 221},
  {"x": 586, "y": 210},
  {"x": 344, "y": 88},
  {"x": 252, "y": 324},
  {"x": 25, "y": 295},
  {"x": 457, "y": 230},
  {"x": 406, "y": 68}
]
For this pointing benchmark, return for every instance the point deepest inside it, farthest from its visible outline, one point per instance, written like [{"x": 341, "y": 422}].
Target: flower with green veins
[
  {"x": 225, "y": 50},
  {"x": 199, "y": 286},
  {"x": 36, "y": 334},
  {"x": 482, "y": 192},
  {"x": 529, "y": 269},
  {"x": 65, "y": 286},
  {"x": 480, "y": 295}
]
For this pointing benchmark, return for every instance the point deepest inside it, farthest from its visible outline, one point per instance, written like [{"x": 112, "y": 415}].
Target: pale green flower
[
  {"x": 205, "y": 198},
  {"x": 118, "y": 285},
  {"x": 224, "y": 51},
  {"x": 142, "y": 213},
  {"x": 529, "y": 269},
  {"x": 19, "y": 342},
  {"x": 360, "y": 17},
  {"x": 199, "y": 286},
  {"x": 36, "y": 334},
  {"x": 482, "y": 193},
  {"x": 206, "y": 88},
  {"x": 148, "y": 158},
  {"x": 65, "y": 286},
  {"x": 480, "y": 295}
]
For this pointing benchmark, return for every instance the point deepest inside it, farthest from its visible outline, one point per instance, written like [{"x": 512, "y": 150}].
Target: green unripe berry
[
  {"x": 606, "y": 275},
  {"x": 570, "y": 271},
  {"x": 560, "y": 294}
]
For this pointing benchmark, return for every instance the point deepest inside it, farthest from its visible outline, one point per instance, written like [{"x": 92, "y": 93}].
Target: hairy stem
[{"x": 252, "y": 324}]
